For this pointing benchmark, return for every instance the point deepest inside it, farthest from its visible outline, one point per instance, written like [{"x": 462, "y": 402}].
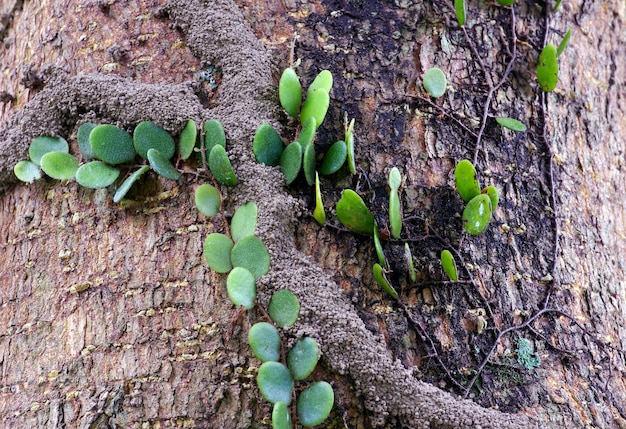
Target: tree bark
[{"x": 110, "y": 317}]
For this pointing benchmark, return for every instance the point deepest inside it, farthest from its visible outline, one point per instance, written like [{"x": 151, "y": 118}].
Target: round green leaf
[
  {"x": 220, "y": 166},
  {"x": 316, "y": 106},
  {"x": 465, "y": 180},
  {"x": 275, "y": 382},
  {"x": 217, "y": 249},
  {"x": 323, "y": 80},
  {"x": 494, "y": 196},
  {"x": 307, "y": 133},
  {"x": 461, "y": 11},
  {"x": 354, "y": 214},
  {"x": 334, "y": 158},
  {"x": 290, "y": 92},
  {"x": 128, "y": 183},
  {"x": 83, "y": 139},
  {"x": 434, "y": 82},
  {"x": 27, "y": 171},
  {"x": 308, "y": 164},
  {"x": 148, "y": 135},
  {"x": 449, "y": 265},
  {"x": 208, "y": 200},
  {"x": 319, "y": 213},
  {"x": 477, "y": 214},
  {"x": 284, "y": 308},
  {"x": 291, "y": 162},
  {"x": 244, "y": 220},
  {"x": 281, "y": 419},
  {"x": 162, "y": 165},
  {"x": 395, "y": 178},
  {"x": 264, "y": 341},
  {"x": 511, "y": 124},
  {"x": 267, "y": 146},
  {"x": 96, "y": 174},
  {"x": 214, "y": 135},
  {"x": 303, "y": 357},
  {"x": 187, "y": 139},
  {"x": 314, "y": 404},
  {"x": 45, "y": 144},
  {"x": 241, "y": 287},
  {"x": 111, "y": 144},
  {"x": 59, "y": 165},
  {"x": 251, "y": 254},
  {"x": 548, "y": 68}
]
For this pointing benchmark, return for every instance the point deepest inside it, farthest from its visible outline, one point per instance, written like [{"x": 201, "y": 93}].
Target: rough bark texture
[{"x": 110, "y": 317}]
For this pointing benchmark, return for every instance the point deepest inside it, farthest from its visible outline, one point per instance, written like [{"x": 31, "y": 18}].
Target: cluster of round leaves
[
  {"x": 299, "y": 155},
  {"x": 106, "y": 146},
  {"x": 480, "y": 204},
  {"x": 276, "y": 380}
]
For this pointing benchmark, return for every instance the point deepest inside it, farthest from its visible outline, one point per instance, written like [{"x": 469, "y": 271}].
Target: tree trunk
[{"x": 111, "y": 318}]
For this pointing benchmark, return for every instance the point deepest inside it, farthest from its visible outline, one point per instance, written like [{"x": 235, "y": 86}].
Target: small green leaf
[
  {"x": 316, "y": 106},
  {"x": 461, "y": 11},
  {"x": 350, "y": 150},
  {"x": 564, "y": 42},
  {"x": 251, "y": 254},
  {"x": 449, "y": 265},
  {"x": 162, "y": 165},
  {"x": 284, "y": 308},
  {"x": 434, "y": 82},
  {"x": 148, "y": 135},
  {"x": 395, "y": 213},
  {"x": 315, "y": 403},
  {"x": 111, "y": 144},
  {"x": 241, "y": 287},
  {"x": 187, "y": 139},
  {"x": 208, "y": 200},
  {"x": 466, "y": 181},
  {"x": 379, "y": 249},
  {"x": 45, "y": 144},
  {"x": 334, "y": 158},
  {"x": 96, "y": 174},
  {"x": 409, "y": 261},
  {"x": 354, "y": 214},
  {"x": 477, "y": 214},
  {"x": 214, "y": 135},
  {"x": 220, "y": 166},
  {"x": 128, "y": 183},
  {"x": 395, "y": 178},
  {"x": 59, "y": 165},
  {"x": 548, "y": 68},
  {"x": 303, "y": 357},
  {"x": 319, "y": 214},
  {"x": 308, "y": 164},
  {"x": 244, "y": 220},
  {"x": 291, "y": 162},
  {"x": 556, "y": 5},
  {"x": 307, "y": 133},
  {"x": 217, "y": 250},
  {"x": 290, "y": 92},
  {"x": 281, "y": 419},
  {"x": 379, "y": 276},
  {"x": 275, "y": 382},
  {"x": 27, "y": 171},
  {"x": 494, "y": 196},
  {"x": 83, "y": 139},
  {"x": 323, "y": 80},
  {"x": 511, "y": 124},
  {"x": 267, "y": 146},
  {"x": 505, "y": 2}
]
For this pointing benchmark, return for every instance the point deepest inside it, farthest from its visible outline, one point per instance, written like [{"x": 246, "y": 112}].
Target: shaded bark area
[{"x": 163, "y": 357}]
